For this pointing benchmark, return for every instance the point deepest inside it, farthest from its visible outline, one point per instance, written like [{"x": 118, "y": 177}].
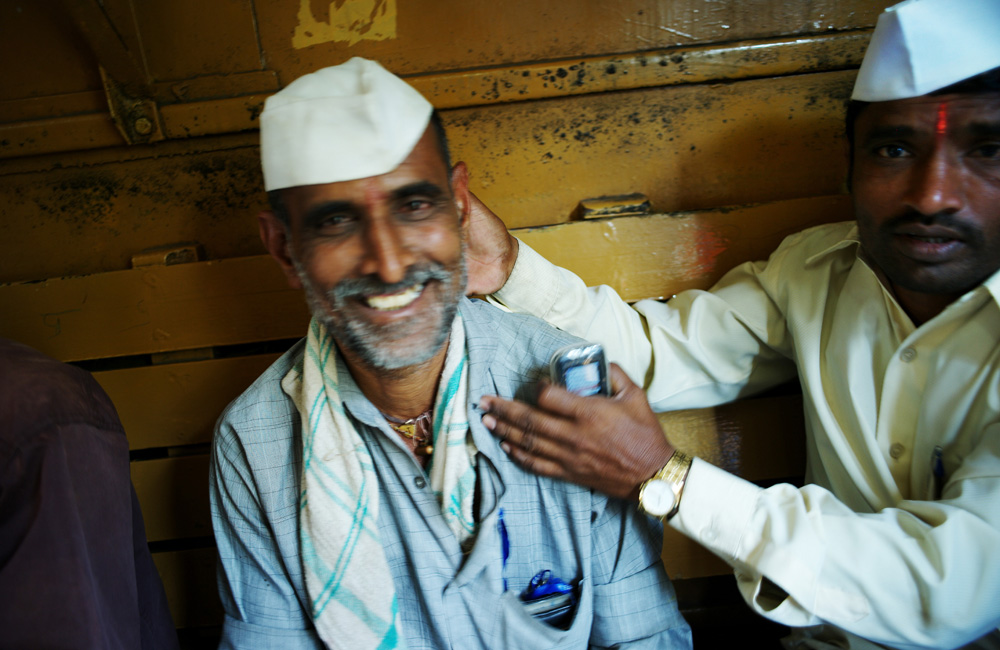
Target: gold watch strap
[{"x": 675, "y": 472}]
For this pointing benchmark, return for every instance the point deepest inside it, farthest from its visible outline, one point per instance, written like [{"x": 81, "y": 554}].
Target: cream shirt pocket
[{"x": 519, "y": 629}]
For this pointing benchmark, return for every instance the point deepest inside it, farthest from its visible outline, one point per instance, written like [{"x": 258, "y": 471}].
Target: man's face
[
  {"x": 926, "y": 187},
  {"x": 381, "y": 258}
]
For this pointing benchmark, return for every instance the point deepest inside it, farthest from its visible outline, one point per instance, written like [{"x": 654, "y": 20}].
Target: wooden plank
[
  {"x": 646, "y": 69},
  {"x": 178, "y": 403},
  {"x": 154, "y": 309},
  {"x": 157, "y": 309},
  {"x": 189, "y": 582},
  {"x": 660, "y": 255},
  {"x": 173, "y": 495}
]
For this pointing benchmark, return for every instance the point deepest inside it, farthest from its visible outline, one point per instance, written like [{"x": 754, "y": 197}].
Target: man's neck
[
  {"x": 921, "y": 307},
  {"x": 404, "y": 393}
]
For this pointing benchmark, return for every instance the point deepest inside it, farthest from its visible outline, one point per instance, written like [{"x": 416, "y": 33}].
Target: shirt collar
[
  {"x": 992, "y": 285},
  {"x": 851, "y": 240}
]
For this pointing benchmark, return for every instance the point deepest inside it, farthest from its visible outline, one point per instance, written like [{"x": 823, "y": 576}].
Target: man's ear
[
  {"x": 460, "y": 190},
  {"x": 274, "y": 234}
]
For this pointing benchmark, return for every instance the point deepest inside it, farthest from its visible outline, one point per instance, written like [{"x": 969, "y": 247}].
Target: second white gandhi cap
[
  {"x": 920, "y": 46},
  {"x": 340, "y": 123}
]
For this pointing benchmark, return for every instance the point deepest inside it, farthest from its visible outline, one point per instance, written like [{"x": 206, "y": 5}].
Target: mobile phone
[{"x": 582, "y": 369}]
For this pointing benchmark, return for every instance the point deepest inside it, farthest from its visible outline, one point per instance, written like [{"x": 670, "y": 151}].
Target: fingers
[{"x": 524, "y": 426}]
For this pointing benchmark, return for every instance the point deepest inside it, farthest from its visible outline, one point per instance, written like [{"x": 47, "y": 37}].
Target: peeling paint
[{"x": 347, "y": 22}]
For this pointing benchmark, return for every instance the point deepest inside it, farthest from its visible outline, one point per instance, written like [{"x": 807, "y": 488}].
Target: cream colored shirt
[{"x": 879, "y": 543}]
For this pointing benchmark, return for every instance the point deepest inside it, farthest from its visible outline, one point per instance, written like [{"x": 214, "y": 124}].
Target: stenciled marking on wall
[{"x": 346, "y": 21}]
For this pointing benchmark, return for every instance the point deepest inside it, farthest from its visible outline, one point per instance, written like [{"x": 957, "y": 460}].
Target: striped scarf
[{"x": 344, "y": 565}]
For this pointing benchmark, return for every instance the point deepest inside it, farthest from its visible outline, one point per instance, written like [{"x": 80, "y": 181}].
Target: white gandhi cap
[
  {"x": 340, "y": 123},
  {"x": 920, "y": 46}
]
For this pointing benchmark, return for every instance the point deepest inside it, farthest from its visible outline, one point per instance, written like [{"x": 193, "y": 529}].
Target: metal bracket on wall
[{"x": 137, "y": 119}]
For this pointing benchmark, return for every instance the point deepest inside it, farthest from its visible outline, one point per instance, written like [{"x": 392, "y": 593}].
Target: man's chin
[{"x": 371, "y": 346}]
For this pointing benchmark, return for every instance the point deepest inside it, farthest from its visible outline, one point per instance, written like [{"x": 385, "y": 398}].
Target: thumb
[{"x": 621, "y": 384}]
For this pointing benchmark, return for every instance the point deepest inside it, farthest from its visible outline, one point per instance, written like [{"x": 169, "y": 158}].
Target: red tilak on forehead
[{"x": 942, "y": 120}]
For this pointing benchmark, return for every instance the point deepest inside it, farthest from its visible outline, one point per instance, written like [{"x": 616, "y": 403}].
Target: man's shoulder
[
  {"x": 510, "y": 339},
  {"x": 263, "y": 405}
]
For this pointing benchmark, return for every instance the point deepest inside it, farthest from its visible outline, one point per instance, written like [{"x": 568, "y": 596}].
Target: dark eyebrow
[
  {"x": 889, "y": 132},
  {"x": 984, "y": 129},
  {"x": 420, "y": 188},
  {"x": 318, "y": 212}
]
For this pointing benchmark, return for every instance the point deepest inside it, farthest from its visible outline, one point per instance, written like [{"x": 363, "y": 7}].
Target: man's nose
[
  {"x": 387, "y": 253},
  {"x": 936, "y": 185}
]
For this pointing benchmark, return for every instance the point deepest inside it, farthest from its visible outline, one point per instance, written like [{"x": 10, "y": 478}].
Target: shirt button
[
  {"x": 708, "y": 535},
  {"x": 896, "y": 450},
  {"x": 908, "y": 355},
  {"x": 420, "y": 482}
]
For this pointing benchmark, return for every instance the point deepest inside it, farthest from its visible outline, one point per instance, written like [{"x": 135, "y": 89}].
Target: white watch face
[{"x": 657, "y": 498}]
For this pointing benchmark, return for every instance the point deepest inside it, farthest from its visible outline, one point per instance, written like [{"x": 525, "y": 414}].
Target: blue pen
[{"x": 504, "y": 546}]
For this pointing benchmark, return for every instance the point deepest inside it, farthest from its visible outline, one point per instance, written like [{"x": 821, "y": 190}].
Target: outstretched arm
[{"x": 919, "y": 574}]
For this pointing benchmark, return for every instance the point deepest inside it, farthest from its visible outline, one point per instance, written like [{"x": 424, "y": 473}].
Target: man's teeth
[
  {"x": 392, "y": 301},
  {"x": 932, "y": 240}
]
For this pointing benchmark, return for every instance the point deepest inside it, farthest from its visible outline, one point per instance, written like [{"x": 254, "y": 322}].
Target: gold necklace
[{"x": 418, "y": 429}]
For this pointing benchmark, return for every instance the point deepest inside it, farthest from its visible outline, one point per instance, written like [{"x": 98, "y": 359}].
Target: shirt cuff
[
  {"x": 716, "y": 508},
  {"x": 526, "y": 290}
]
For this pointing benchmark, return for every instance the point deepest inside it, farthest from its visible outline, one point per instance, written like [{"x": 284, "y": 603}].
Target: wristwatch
[{"x": 660, "y": 495}]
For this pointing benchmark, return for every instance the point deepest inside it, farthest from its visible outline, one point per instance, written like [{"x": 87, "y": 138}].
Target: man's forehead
[{"x": 926, "y": 111}]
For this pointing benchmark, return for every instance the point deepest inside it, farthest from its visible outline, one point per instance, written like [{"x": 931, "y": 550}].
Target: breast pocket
[{"x": 519, "y": 629}]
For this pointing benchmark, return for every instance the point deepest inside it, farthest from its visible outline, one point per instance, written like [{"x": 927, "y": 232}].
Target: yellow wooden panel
[
  {"x": 428, "y": 35},
  {"x": 661, "y": 255},
  {"x": 758, "y": 439},
  {"x": 178, "y": 403},
  {"x": 157, "y": 309},
  {"x": 42, "y": 53},
  {"x": 92, "y": 212},
  {"x": 189, "y": 582},
  {"x": 56, "y": 134},
  {"x": 173, "y": 495},
  {"x": 154, "y": 309},
  {"x": 191, "y": 38},
  {"x": 684, "y": 147},
  {"x": 644, "y": 69}
]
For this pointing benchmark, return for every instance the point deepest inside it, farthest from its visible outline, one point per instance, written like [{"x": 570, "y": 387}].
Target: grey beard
[{"x": 373, "y": 345}]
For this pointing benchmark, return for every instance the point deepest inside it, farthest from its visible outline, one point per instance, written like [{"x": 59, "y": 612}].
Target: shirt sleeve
[
  {"x": 635, "y": 605},
  {"x": 924, "y": 574},
  {"x": 261, "y": 608},
  {"x": 750, "y": 348}
]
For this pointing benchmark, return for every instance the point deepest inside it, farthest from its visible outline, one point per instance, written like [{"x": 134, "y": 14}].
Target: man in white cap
[
  {"x": 892, "y": 325},
  {"x": 357, "y": 500}
]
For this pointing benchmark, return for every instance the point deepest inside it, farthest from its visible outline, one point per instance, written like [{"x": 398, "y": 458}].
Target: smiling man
[
  {"x": 357, "y": 500},
  {"x": 891, "y": 324}
]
